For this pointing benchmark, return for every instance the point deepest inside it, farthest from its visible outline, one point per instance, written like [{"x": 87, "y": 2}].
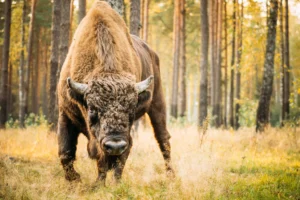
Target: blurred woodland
[{"x": 226, "y": 63}]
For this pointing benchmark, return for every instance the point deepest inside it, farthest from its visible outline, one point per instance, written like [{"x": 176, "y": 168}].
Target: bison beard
[{"x": 100, "y": 94}]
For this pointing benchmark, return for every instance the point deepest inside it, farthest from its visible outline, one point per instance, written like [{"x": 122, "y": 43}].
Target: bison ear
[{"x": 143, "y": 85}]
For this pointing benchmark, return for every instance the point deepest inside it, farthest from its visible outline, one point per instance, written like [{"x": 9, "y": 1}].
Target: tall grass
[{"x": 228, "y": 165}]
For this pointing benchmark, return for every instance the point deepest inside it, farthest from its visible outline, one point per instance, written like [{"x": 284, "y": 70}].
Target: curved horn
[
  {"x": 79, "y": 88},
  {"x": 143, "y": 85}
]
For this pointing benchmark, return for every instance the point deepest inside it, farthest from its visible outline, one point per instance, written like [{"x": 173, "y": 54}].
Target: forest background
[
  {"x": 230, "y": 69},
  {"x": 237, "y": 45}
]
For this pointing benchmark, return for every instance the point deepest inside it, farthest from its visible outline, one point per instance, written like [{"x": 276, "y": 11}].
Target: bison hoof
[
  {"x": 170, "y": 173},
  {"x": 100, "y": 181},
  {"x": 74, "y": 176}
]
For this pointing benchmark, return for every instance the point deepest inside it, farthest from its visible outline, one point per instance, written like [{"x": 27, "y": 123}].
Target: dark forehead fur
[{"x": 112, "y": 91}]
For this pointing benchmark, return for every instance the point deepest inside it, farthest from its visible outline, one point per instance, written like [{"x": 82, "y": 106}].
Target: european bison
[{"x": 101, "y": 93}]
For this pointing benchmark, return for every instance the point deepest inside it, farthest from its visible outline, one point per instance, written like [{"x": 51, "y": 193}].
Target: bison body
[{"x": 106, "y": 83}]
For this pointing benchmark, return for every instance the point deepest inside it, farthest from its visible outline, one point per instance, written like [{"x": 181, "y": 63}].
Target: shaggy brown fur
[{"x": 105, "y": 57}]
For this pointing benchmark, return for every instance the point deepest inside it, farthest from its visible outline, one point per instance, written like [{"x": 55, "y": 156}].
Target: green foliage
[
  {"x": 264, "y": 181},
  {"x": 11, "y": 123},
  {"x": 35, "y": 120},
  {"x": 31, "y": 120},
  {"x": 275, "y": 115},
  {"x": 180, "y": 122},
  {"x": 294, "y": 118},
  {"x": 247, "y": 112}
]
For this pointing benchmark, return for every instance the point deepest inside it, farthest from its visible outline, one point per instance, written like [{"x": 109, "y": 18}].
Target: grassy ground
[{"x": 228, "y": 165}]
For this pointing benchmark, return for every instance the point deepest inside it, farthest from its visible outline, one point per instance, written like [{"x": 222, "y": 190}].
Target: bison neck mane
[{"x": 114, "y": 48}]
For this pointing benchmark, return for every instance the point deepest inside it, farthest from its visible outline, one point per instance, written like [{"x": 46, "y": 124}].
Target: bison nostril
[
  {"x": 122, "y": 146},
  {"x": 107, "y": 146}
]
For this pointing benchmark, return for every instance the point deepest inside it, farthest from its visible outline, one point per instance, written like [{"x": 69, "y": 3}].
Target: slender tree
[
  {"x": 54, "y": 61},
  {"x": 5, "y": 62},
  {"x": 64, "y": 32},
  {"x": 46, "y": 78},
  {"x": 21, "y": 70},
  {"x": 263, "y": 110},
  {"x": 238, "y": 69},
  {"x": 286, "y": 68},
  {"x": 214, "y": 58},
  {"x": 282, "y": 51},
  {"x": 29, "y": 57},
  {"x": 146, "y": 20},
  {"x": 81, "y": 9},
  {"x": 35, "y": 74},
  {"x": 176, "y": 41},
  {"x": 218, "y": 65},
  {"x": 9, "y": 90},
  {"x": 117, "y": 5},
  {"x": 225, "y": 64},
  {"x": 204, "y": 62},
  {"x": 182, "y": 67},
  {"x": 71, "y": 21},
  {"x": 231, "y": 105},
  {"x": 135, "y": 17},
  {"x": 2, "y": 5},
  {"x": 142, "y": 2}
]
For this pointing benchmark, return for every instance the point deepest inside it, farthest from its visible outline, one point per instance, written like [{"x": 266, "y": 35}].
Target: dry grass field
[{"x": 228, "y": 165}]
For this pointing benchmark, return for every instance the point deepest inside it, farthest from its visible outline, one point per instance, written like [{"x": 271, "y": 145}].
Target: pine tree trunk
[
  {"x": 286, "y": 73},
  {"x": 263, "y": 110},
  {"x": 29, "y": 57},
  {"x": 231, "y": 105},
  {"x": 117, "y": 5},
  {"x": 204, "y": 62},
  {"x": 142, "y": 17},
  {"x": 218, "y": 92},
  {"x": 65, "y": 9},
  {"x": 5, "y": 61},
  {"x": 282, "y": 58},
  {"x": 182, "y": 99},
  {"x": 71, "y": 21},
  {"x": 21, "y": 70},
  {"x": 212, "y": 57},
  {"x": 9, "y": 88},
  {"x": 135, "y": 17},
  {"x": 81, "y": 10},
  {"x": 238, "y": 69},
  {"x": 225, "y": 65},
  {"x": 54, "y": 62},
  {"x": 35, "y": 81},
  {"x": 176, "y": 38},
  {"x": 215, "y": 74},
  {"x": 64, "y": 33},
  {"x": 146, "y": 20},
  {"x": 45, "y": 80},
  {"x": 2, "y": 5}
]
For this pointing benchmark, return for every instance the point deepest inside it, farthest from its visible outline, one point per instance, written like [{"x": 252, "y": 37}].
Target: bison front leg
[
  {"x": 157, "y": 114},
  {"x": 67, "y": 141},
  {"x": 102, "y": 165},
  {"x": 119, "y": 165}
]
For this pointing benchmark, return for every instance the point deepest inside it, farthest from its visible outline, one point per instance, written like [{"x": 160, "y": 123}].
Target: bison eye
[{"x": 93, "y": 114}]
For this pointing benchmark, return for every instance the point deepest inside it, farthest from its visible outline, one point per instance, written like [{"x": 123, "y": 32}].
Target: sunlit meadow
[{"x": 228, "y": 165}]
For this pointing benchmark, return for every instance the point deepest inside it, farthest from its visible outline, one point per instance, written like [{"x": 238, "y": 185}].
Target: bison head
[{"x": 110, "y": 105}]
